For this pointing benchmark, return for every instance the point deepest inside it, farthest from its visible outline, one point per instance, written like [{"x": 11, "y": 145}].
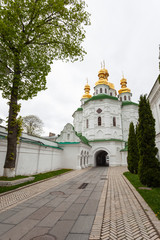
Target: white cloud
[{"x": 126, "y": 35}]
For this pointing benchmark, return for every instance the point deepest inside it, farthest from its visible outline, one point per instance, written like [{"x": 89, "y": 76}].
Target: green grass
[
  {"x": 152, "y": 197},
  {"x": 38, "y": 177},
  {"x": 12, "y": 178}
]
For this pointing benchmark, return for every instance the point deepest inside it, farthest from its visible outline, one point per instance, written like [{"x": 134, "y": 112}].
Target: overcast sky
[{"x": 124, "y": 33}]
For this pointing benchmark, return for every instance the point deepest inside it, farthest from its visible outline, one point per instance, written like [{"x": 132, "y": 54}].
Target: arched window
[
  {"x": 97, "y": 91},
  {"x": 100, "y": 90},
  {"x": 105, "y": 90},
  {"x": 99, "y": 121},
  {"x": 125, "y": 98},
  {"x": 120, "y": 98},
  {"x": 87, "y": 123},
  {"x": 114, "y": 121},
  {"x": 110, "y": 93},
  {"x": 129, "y": 98}
]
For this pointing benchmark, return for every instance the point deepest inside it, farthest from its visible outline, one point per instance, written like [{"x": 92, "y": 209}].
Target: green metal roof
[
  {"x": 107, "y": 140},
  {"x": 82, "y": 138},
  {"x": 101, "y": 96},
  {"x": 68, "y": 142},
  {"x": 129, "y": 103}
]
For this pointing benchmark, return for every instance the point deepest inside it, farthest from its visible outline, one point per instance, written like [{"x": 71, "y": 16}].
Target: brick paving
[
  {"x": 16, "y": 197},
  {"x": 107, "y": 208},
  {"x": 125, "y": 215},
  {"x": 55, "y": 209}
]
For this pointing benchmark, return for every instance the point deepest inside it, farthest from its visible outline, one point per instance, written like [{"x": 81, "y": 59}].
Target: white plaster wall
[
  {"x": 32, "y": 159},
  {"x": 77, "y": 121},
  {"x": 3, "y": 148},
  {"x": 124, "y": 158},
  {"x": 154, "y": 99},
  {"x": 71, "y": 155},
  {"x": 110, "y": 108},
  {"x": 129, "y": 114}
]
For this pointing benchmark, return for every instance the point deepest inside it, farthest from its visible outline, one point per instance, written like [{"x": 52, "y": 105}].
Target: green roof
[
  {"x": 79, "y": 109},
  {"x": 126, "y": 148},
  {"x": 25, "y": 140},
  {"x": 101, "y": 96},
  {"x": 107, "y": 140},
  {"x": 68, "y": 142},
  {"x": 83, "y": 139},
  {"x": 129, "y": 103}
]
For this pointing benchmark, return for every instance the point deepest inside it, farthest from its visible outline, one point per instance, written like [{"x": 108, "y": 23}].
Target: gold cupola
[
  {"x": 124, "y": 88},
  {"x": 87, "y": 91},
  {"x": 103, "y": 77}
]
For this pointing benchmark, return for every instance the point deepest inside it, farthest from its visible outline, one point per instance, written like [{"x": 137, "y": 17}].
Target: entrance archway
[{"x": 102, "y": 158}]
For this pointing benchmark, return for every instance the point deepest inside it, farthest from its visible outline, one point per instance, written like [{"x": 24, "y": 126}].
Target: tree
[
  {"x": 149, "y": 167},
  {"x": 32, "y": 125},
  {"x": 133, "y": 156},
  {"x": 33, "y": 33}
]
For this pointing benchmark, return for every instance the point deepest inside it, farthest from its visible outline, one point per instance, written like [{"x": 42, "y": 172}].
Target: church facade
[{"x": 103, "y": 122}]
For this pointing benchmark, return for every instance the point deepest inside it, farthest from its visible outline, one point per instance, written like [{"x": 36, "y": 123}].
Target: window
[
  {"x": 97, "y": 91},
  {"x": 105, "y": 90},
  {"x": 99, "y": 110},
  {"x": 125, "y": 98},
  {"x": 99, "y": 121},
  {"x": 68, "y": 136},
  {"x": 110, "y": 93},
  {"x": 87, "y": 123},
  {"x": 114, "y": 121},
  {"x": 120, "y": 98},
  {"x": 100, "y": 90},
  {"x": 129, "y": 98}
]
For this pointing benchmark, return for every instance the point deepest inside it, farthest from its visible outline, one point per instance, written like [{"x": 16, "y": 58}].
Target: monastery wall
[{"x": 32, "y": 158}]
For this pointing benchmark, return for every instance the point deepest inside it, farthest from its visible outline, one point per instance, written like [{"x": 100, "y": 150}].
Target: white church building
[
  {"x": 98, "y": 136},
  {"x": 102, "y": 123}
]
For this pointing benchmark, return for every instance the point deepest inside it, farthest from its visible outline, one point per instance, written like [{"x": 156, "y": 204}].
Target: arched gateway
[{"x": 101, "y": 158}]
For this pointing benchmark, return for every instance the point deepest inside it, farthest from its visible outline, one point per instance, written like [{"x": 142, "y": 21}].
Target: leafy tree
[
  {"x": 32, "y": 125},
  {"x": 132, "y": 150},
  {"x": 33, "y": 33},
  {"x": 149, "y": 168}
]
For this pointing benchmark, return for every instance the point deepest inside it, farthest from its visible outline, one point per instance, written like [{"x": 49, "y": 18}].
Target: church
[
  {"x": 100, "y": 125},
  {"x": 98, "y": 136}
]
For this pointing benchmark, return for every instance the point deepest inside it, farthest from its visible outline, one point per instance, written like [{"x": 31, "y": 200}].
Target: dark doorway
[{"x": 102, "y": 159}]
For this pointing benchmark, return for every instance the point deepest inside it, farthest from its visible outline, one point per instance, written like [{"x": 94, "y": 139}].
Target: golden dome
[
  {"x": 124, "y": 86},
  {"x": 87, "y": 91},
  {"x": 103, "y": 75},
  {"x": 111, "y": 85},
  {"x": 103, "y": 78}
]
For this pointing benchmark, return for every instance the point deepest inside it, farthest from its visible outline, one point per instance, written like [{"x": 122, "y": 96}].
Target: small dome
[
  {"x": 123, "y": 84},
  {"x": 87, "y": 91}
]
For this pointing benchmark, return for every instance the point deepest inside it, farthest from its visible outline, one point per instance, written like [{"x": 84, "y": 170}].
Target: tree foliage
[
  {"x": 149, "y": 167},
  {"x": 32, "y": 125},
  {"x": 33, "y": 33},
  {"x": 133, "y": 156}
]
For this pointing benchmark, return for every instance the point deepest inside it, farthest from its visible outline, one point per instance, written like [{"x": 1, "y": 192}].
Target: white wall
[
  {"x": 154, "y": 99},
  {"x": 32, "y": 158},
  {"x": 72, "y": 153}
]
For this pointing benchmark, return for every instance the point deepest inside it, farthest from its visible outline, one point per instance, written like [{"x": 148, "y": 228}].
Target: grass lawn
[
  {"x": 152, "y": 197},
  {"x": 38, "y": 177}
]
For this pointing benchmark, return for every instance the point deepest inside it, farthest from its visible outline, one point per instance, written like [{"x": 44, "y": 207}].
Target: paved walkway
[{"x": 106, "y": 207}]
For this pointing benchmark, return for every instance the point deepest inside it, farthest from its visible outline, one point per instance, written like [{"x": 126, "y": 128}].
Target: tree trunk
[{"x": 9, "y": 166}]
